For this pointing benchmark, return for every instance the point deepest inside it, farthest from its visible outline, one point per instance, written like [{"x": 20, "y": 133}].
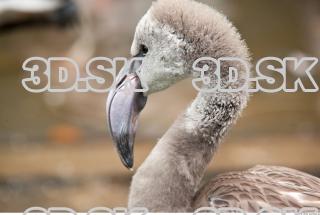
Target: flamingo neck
[{"x": 170, "y": 176}]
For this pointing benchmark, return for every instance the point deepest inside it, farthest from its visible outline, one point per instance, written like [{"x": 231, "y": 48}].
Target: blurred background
[{"x": 55, "y": 149}]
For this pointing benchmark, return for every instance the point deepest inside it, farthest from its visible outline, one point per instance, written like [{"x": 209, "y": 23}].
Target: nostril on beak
[{"x": 121, "y": 81}]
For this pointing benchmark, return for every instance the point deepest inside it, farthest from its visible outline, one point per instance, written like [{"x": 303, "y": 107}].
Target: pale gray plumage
[
  {"x": 176, "y": 33},
  {"x": 261, "y": 187}
]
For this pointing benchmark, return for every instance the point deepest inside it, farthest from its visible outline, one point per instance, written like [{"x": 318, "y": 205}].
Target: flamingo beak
[{"x": 123, "y": 108}]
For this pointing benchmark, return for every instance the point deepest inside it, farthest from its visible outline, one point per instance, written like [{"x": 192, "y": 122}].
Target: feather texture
[{"x": 261, "y": 187}]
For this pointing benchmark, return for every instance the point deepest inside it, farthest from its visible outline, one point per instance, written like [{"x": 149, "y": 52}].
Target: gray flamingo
[{"x": 170, "y": 37}]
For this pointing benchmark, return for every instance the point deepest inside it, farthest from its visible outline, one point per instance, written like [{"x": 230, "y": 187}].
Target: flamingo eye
[{"x": 144, "y": 50}]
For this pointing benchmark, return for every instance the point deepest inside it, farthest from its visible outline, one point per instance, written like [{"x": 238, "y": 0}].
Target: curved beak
[{"x": 123, "y": 108}]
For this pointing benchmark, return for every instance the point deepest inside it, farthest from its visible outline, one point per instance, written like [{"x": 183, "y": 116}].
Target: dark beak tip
[
  {"x": 125, "y": 153},
  {"x": 128, "y": 163}
]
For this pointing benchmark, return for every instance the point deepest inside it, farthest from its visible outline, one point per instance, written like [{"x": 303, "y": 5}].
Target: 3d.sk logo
[{"x": 226, "y": 74}]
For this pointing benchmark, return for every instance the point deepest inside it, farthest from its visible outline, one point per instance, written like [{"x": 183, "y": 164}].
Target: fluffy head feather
[
  {"x": 176, "y": 33},
  {"x": 206, "y": 31}
]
